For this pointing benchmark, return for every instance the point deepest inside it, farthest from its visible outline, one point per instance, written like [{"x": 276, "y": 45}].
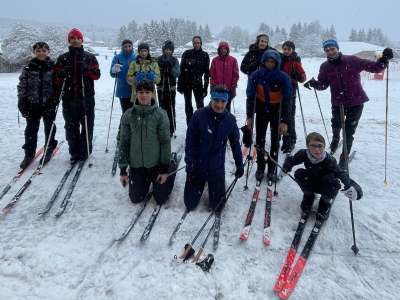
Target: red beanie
[{"x": 75, "y": 32}]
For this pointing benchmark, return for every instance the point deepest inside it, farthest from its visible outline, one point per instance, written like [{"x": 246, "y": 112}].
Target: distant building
[{"x": 363, "y": 50}]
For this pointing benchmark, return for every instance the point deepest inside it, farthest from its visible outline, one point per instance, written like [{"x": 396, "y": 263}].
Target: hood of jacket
[
  {"x": 168, "y": 44},
  {"x": 271, "y": 53},
  {"x": 223, "y": 44}
]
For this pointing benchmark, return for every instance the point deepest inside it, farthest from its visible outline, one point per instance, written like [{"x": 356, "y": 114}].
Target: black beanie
[
  {"x": 168, "y": 45},
  {"x": 143, "y": 46},
  {"x": 126, "y": 41}
]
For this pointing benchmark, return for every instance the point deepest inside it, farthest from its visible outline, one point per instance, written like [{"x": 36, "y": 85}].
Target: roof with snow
[{"x": 351, "y": 48}]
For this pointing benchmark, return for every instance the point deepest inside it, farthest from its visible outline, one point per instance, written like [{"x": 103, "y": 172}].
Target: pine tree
[
  {"x": 122, "y": 35},
  {"x": 362, "y": 37},
  {"x": 369, "y": 36},
  {"x": 132, "y": 31},
  {"x": 353, "y": 35},
  {"x": 207, "y": 34},
  {"x": 55, "y": 37},
  {"x": 237, "y": 38},
  {"x": 200, "y": 32},
  {"x": 332, "y": 33}
]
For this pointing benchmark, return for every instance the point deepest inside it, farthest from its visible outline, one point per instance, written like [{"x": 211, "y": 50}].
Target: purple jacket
[{"x": 344, "y": 79}]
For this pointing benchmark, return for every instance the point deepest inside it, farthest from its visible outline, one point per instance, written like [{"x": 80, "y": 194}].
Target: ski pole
[
  {"x": 320, "y": 110},
  {"x": 172, "y": 107},
  {"x": 52, "y": 126},
  {"x": 196, "y": 258},
  {"x": 277, "y": 148},
  {"x": 387, "y": 117},
  {"x": 252, "y": 129},
  {"x": 223, "y": 200},
  {"x": 86, "y": 126},
  {"x": 346, "y": 163},
  {"x": 112, "y": 105},
  {"x": 302, "y": 114}
]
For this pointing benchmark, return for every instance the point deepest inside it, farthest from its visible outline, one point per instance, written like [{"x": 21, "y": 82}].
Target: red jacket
[
  {"x": 293, "y": 63},
  {"x": 224, "y": 69}
]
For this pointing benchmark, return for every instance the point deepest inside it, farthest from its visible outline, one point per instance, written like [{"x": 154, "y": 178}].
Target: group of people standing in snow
[{"x": 149, "y": 120}]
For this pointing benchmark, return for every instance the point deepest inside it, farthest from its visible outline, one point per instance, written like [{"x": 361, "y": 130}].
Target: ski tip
[
  {"x": 266, "y": 241},
  {"x": 243, "y": 237}
]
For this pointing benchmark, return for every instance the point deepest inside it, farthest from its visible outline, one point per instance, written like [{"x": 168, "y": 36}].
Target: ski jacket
[
  {"x": 194, "y": 65},
  {"x": 35, "y": 85},
  {"x": 144, "y": 137},
  {"x": 273, "y": 89},
  {"x": 291, "y": 64},
  {"x": 124, "y": 89},
  {"x": 73, "y": 81},
  {"x": 252, "y": 59},
  {"x": 206, "y": 139},
  {"x": 343, "y": 78},
  {"x": 317, "y": 171},
  {"x": 142, "y": 65},
  {"x": 170, "y": 74},
  {"x": 224, "y": 69}
]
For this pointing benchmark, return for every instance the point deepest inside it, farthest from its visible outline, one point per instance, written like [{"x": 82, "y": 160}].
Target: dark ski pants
[
  {"x": 126, "y": 103},
  {"x": 216, "y": 190},
  {"x": 75, "y": 132},
  {"x": 352, "y": 116},
  {"x": 167, "y": 103},
  {"x": 328, "y": 186},
  {"x": 290, "y": 137},
  {"x": 32, "y": 129},
  {"x": 140, "y": 180},
  {"x": 198, "y": 96},
  {"x": 262, "y": 122},
  {"x": 228, "y": 105}
]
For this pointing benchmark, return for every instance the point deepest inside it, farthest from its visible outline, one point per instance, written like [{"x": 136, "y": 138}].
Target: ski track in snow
[{"x": 74, "y": 256}]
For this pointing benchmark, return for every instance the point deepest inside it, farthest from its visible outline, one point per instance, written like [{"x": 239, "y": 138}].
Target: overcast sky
[{"x": 247, "y": 14}]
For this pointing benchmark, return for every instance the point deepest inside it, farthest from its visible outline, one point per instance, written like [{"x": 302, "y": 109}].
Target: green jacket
[
  {"x": 142, "y": 65},
  {"x": 144, "y": 138}
]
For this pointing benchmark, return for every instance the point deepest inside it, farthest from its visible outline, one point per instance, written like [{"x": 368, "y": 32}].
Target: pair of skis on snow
[{"x": 37, "y": 172}]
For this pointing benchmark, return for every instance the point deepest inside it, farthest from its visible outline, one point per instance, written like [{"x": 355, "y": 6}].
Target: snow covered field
[{"x": 74, "y": 256}]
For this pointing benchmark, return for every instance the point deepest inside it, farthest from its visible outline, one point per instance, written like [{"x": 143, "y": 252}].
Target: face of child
[
  {"x": 331, "y": 52},
  {"x": 224, "y": 51},
  {"x": 168, "y": 51},
  {"x": 287, "y": 51},
  {"x": 218, "y": 106},
  {"x": 75, "y": 42},
  {"x": 196, "y": 44},
  {"x": 143, "y": 53},
  {"x": 144, "y": 97},
  {"x": 41, "y": 53},
  {"x": 270, "y": 63},
  {"x": 316, "y": 148},
  {"x": 263, "y": 43},
  {"x": 127, "y": 48}
]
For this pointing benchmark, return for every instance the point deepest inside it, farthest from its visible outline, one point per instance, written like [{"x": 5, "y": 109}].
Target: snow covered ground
[{"x": 74, "y": 256}]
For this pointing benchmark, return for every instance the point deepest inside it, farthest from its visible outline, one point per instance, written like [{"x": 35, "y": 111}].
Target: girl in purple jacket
[{"x": 342, "y": 74}]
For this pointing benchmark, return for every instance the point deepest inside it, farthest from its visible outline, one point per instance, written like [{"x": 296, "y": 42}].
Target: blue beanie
[
  {"x": 328, "y": 43},
  {"x": 218, "y": 95}
]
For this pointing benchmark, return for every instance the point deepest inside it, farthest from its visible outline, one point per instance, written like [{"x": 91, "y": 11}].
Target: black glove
[
  {"x": 165, "y": 64},
  {"x": 247, "y": 136},
  {"x": 64, "y": 72},
  {"x": 82, "y": 67},
  {"x": 356, "y": 187},
  {"x": 387, "y": 54},
  {"x": 287, "y": 166},
  {"x": 311, "y": 83},
  {"x": 205, "y": 91},
  {"x": 253, "y": 67},
  {"x": 296, "y": 76},
  {"x": 239, "y": 173},
  {"x": 122, "y": 171},
  {"x": 191, "y": 178},
  {"x": 24, "y": 107},
  {"x": 232, "y": 93}
]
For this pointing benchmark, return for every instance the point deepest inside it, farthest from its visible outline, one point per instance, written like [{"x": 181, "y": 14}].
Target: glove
[
  {"x": 253, "y": 67},
  {"x": 239, "y": 173},
  {"x": 387, "y": 54},
  {"x": 50, "y": 105},
  {"x": 24, "y": 107},
  {"x": 64, "y": 72},
  {"x": 352, "y": 191},
  {"x": 82, "y": 67},
  {"x": 205, "y": 91},
  {"x": 287, "y": 166},
  {"x": 313, "y": 83},
  {"x": 165, "y": 64},
  {"x": 296, "y": 76},
  {"x": 191, "y": 178},
  {"x": 247, "y": 136},
  {"x": 140, "y": 76},
  {"x": 232, "y": 93},
  {"x": 150, "y": 75},
  {"x": 116, "y": 68}
]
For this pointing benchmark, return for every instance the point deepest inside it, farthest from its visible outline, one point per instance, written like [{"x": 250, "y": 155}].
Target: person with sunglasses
[{"x": 320, "y": 175}]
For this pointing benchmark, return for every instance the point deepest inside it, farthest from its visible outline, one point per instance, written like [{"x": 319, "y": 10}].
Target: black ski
[
  {"x": 115, "y": 162},
  {"x": 150, "y": 225},
  {"x": 173, "y": 236},
  {"x": 217, "y": 224}
]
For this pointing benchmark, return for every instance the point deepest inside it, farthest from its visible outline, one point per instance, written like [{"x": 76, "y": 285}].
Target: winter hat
[
  {"x": 126, "y": 41},
  {"x": 330, "y": 43},
  {"x": 168, "y": 45},
  {"x": 143, "y": 46},
  {"x": 220, "y": 92},
  {"x": 75, "y": 32}
]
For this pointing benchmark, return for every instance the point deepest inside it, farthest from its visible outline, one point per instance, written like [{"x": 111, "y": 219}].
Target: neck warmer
[{"x": 313, "y": 159}]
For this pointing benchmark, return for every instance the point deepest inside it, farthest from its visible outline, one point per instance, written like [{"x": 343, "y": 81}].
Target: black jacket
[
  {"x": 194, "y": 64},
  {"x": 252, "y": 59},
  {"x": 78, "y": 63}
]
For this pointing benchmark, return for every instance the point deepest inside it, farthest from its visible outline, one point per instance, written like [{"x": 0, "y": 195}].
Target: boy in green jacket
[{"x": 145, "y": 145}]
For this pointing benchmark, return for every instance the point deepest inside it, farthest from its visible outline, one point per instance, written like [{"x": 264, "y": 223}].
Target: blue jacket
[
  {"x": 206, "y": 139},
  {"x": 124, "y": 90},
  {"x": 271, "y": 87}
]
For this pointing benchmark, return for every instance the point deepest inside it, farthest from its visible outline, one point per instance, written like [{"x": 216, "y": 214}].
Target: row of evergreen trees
[{"x": 373, "y": 36}]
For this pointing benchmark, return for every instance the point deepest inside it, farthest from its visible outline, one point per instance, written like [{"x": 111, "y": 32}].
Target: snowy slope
[{"x": 73, "y": 257}]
